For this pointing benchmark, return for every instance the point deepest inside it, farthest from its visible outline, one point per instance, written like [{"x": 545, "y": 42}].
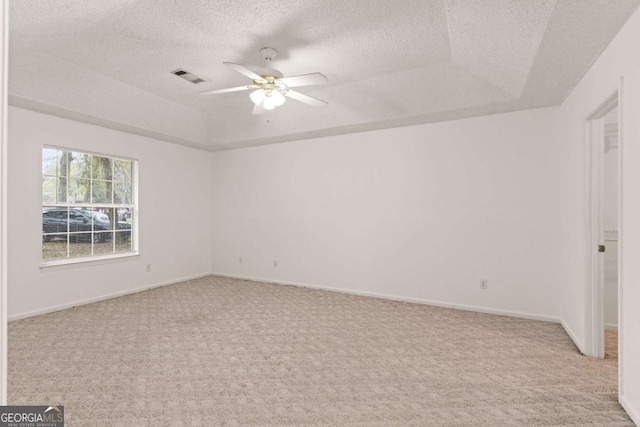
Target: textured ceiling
[{"x": 388, "y": 63}]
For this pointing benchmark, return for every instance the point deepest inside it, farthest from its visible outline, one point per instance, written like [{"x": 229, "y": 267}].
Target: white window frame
[{"x": 98, "y": 259}]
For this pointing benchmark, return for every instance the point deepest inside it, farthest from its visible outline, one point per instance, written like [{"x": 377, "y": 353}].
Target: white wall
[
  {"x": 420, "y": 212},
  {"x": 620, "y": 59},
  {"x": 174, "y": 214}
]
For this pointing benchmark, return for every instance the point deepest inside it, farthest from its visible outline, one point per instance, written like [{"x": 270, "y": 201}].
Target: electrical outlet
[
  {"x": 148, "y": 268},
  {"x": 484, "y": 284},
  {"x": 240, "y": 260},
  {"x": 275, "y": 263}
]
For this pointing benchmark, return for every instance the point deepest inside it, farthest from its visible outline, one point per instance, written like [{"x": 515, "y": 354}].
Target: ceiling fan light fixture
[
  {"x": 269, "y": 103},
  {"x": 278, "y": 98},
  {"x": 270, "y": 88},
  {"x": 257, "y": 96}
]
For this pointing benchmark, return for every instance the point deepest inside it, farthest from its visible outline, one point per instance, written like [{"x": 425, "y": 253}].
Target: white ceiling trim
[{"x": 39, "y": 107}]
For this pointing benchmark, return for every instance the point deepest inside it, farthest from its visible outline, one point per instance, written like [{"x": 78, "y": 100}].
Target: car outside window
[{"x": 88, "y": 206}]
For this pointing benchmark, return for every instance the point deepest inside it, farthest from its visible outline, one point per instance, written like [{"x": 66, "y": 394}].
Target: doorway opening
[
  {"x": 610, "y": 206},
  {"x": 602, "y": 249}
]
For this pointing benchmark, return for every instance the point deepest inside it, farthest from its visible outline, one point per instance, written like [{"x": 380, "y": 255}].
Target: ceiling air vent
[{"x": 187, "y": 76}]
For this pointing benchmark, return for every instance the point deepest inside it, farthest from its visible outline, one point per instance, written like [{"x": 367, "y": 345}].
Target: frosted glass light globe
[
  {"x": 278, "y": 98},
  {"x": 257, "y": 96},
  {"x": 269, "y": 103}
]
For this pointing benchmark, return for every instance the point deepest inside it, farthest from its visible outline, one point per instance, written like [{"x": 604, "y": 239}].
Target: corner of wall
[
  {"x": 572, "y": 335},
  {"x": 632, "y": 411}
]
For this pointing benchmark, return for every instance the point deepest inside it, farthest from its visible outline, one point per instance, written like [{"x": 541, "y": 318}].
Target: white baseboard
[
  {"x": 634, "y": 413},
  {"x": 477, "y": 309},
  {"x": 611, "y": 326},
  {"x": 102, "y": 298},
  {"x": 572, "y": 335}
]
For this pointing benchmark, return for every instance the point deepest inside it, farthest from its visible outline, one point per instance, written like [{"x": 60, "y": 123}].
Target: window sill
[{"x": 65, "y": 264}]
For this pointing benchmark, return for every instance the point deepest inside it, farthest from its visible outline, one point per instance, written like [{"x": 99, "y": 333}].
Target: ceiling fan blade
[
  {"x": 230, "y": 89},
  {"x": 304, "y": 80},
  {"x": 258, "y": 109},
  {"x": 242, "y": 70},
  {"x": 314, "y": 102}
]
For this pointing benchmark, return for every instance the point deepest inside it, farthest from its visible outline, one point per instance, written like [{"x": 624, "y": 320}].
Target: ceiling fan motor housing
[{"x": 268, "y": 53}]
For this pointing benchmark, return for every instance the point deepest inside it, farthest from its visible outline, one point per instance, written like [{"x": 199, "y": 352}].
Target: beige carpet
[{"x": 223, "y": 352}]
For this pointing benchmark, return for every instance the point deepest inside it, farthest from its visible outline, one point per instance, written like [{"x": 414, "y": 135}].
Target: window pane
[
  {"x": 54, "y": 237},
  {"x": 49, "y": 188},
  {"x": 49, "y": 161},
  {"x": 63, "y": 163},
  {"x": 124, "y": 225},
  {"x": 103, "y": 219},
  {"x": 101, "y": 237},
  {"x": 122, "y": 170},
  {"x": 79, "y": 245},
  {"x": 102, "y": 192},
  {"x": 125, "y": 216},
  {"x": 79, "y": 220},
  {"x": 79, "y": 190},
  {"x": 122, "y": 193},
  {"x": 54, "y": 247},
  {"x": 103, "y": 243},
  {"x": 79, "y": 165},
  {"x": 54, "y": 190},
  {"x": 123, "y": 241},
  {"x": 102, "y": 168},
  {"x": 62, "y": 190},
  {"x": 54, "y": 220}
]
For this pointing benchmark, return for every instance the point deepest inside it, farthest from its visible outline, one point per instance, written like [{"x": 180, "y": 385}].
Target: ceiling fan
[{"x": 270, "y": 87}]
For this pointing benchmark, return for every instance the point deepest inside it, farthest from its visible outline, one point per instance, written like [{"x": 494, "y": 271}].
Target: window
[{"x": 88, "y": 206}]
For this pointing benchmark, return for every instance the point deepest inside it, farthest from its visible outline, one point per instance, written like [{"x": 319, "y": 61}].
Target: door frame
[{"x": 594, "y": 233}]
